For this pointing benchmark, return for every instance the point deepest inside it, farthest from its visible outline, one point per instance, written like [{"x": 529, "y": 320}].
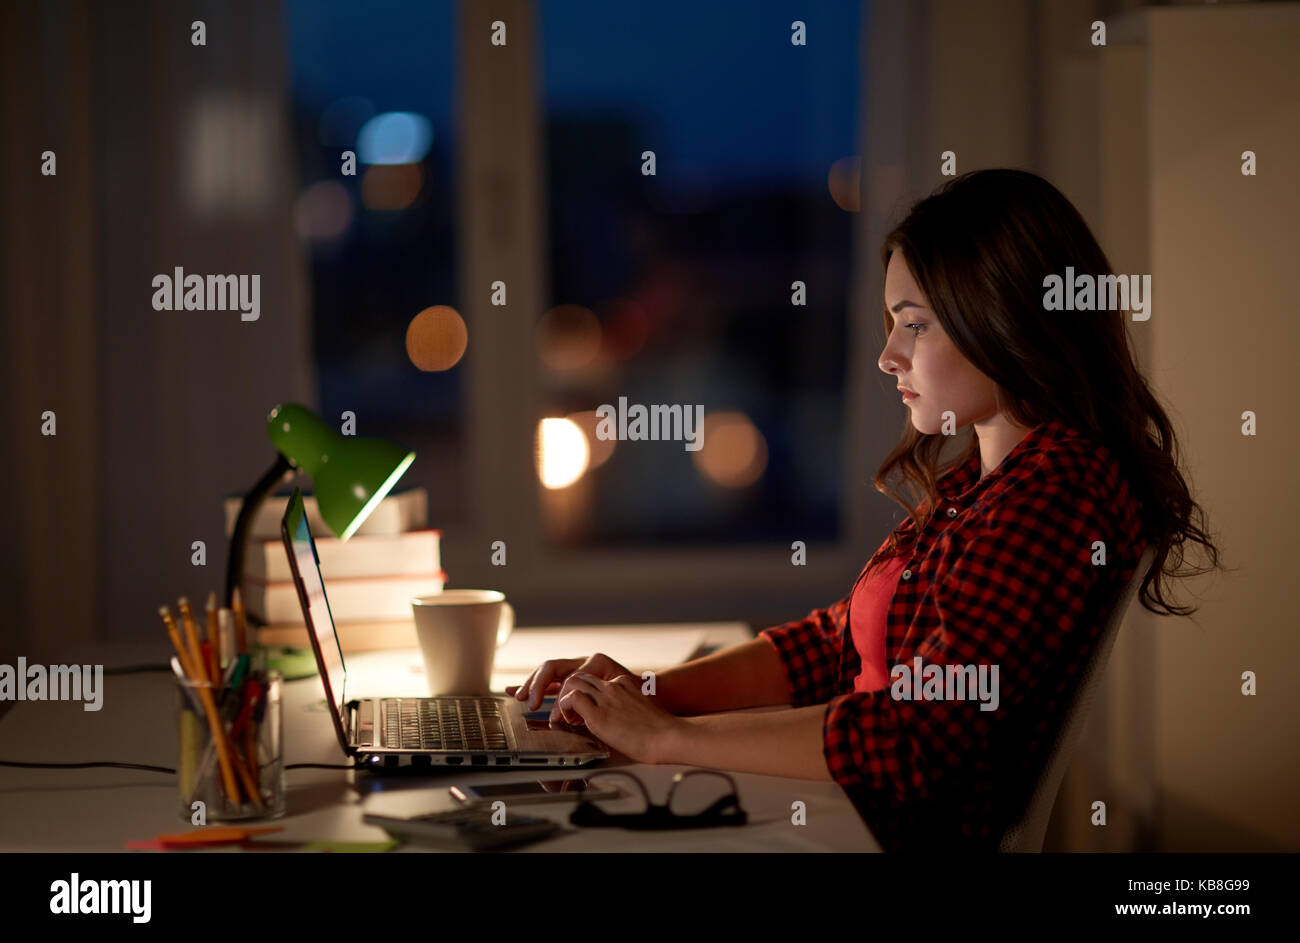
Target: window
[
  {"x": 675, "y": 289},
  {"x": 377, "y": 79}
]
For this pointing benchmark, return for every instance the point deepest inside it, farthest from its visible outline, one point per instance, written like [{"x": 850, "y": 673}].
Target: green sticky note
[{"x": 293, "y": 663}]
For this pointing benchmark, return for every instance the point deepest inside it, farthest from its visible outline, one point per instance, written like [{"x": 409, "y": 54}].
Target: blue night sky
[{"x": 716, "y": 85}]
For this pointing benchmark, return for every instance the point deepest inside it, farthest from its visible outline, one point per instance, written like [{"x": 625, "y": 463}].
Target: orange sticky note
[{"x": 214, "y": 836}]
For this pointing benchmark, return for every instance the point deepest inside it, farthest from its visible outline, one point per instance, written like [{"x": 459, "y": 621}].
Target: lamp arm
[{"x": 252, "y": 501}]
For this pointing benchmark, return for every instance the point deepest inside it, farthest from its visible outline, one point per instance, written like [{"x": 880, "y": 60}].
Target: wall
[{"x": 1225, "y": 337}]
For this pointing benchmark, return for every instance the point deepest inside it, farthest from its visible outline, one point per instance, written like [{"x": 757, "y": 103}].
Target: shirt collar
[{"x": 962, "y": 484}]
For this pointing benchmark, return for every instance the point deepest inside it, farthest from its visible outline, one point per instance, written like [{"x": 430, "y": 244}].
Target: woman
[{"x": 1010, "y": 560}]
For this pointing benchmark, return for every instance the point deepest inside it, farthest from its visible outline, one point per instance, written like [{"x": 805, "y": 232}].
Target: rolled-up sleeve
[
  {"x": 1008, "y": 591},
  {"x": 810, "y": 649}
]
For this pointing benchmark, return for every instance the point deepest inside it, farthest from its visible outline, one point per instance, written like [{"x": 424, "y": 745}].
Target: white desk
[{"x": 101, "y": 809}]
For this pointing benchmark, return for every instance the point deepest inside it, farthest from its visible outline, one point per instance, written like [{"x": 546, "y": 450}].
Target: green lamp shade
[{"x": 352, "y": 475}]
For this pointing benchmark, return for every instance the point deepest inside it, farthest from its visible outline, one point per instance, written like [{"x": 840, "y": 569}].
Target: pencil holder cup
[{"x": 231, "y": 750}]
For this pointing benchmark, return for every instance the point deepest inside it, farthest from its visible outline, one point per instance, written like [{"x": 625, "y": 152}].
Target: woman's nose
[{"x": 888, "y": 361}]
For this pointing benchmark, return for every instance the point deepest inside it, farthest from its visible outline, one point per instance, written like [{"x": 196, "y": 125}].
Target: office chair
[{"x": 1026, "y": 833}]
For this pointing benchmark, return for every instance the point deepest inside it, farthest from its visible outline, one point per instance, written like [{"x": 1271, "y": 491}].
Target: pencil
[
  {"x": 205, "y": 696},
  {"x": 197, "y": 661},
  {"x": 174, "y": 634},
  {"x": 241, "y": 626}
]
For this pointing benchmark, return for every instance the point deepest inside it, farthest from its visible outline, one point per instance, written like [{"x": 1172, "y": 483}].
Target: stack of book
[{"x": 369, "y": 580}]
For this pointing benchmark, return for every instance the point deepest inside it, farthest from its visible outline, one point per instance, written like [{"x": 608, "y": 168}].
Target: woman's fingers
[
  {"x": 574, "y": 685},
  {"x": 520, "y": 691},
  {"x": 549, "y": 674},
  {"x": 550, "y": 677}
]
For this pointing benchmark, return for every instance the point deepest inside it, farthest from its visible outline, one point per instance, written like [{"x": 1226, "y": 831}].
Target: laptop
[{"x": 391, "y": 733}]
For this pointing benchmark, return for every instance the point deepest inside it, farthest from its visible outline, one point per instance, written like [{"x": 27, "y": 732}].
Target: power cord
[
  {"x": 153, "y": 769},
  {"x": 141, "y": 766}
]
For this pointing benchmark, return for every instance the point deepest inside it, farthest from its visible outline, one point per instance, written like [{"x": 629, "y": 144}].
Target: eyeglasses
[{"x": 696, "y": 805}]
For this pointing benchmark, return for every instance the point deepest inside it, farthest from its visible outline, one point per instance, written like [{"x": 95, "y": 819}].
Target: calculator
[{"x": 467, "y": 829}]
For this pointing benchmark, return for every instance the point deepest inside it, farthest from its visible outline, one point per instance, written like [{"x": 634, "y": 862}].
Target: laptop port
[
  {"x": 532, "y": 759},
  {"x": 479, "y": 759},
  {"x": 455, "y": 760},
  {"x": 503, "y": 761},
  {"x": 421, "y": 759}
]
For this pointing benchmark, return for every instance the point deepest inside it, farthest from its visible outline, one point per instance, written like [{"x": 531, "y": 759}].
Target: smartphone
[
  {"x": 548, "y": 790},
  {"x": 467, "y": 829}
]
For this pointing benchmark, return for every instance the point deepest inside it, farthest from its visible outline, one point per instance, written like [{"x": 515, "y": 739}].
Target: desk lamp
[{"x": 351, "y": 476}]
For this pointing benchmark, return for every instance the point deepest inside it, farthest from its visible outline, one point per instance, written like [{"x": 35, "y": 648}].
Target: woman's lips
[{"x": 908, "y": 395}]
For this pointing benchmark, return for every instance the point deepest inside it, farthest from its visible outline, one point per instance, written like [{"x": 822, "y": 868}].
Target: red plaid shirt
[{"x": 1003, "y": 574}]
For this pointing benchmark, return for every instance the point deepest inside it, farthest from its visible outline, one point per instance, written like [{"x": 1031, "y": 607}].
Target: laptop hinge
[{"x": 353, "y": 710}]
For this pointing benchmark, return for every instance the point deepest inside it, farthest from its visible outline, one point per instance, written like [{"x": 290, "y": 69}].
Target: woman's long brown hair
[{"x": 980, "y": 248}]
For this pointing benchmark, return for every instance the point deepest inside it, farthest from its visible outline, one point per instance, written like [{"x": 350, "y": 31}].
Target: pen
[
  {"x": 226, "y": 626},
  {"x": 252, "y": 692},
  {"x": 214, "y": 640},
  {"x": 256, "y": 690},
  {"x": 235, "y": 682},
  {"x": 190, "y": 696}
]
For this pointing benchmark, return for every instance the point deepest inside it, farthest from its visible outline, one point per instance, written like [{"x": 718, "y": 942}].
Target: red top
[{"x": 867, "y": 614}]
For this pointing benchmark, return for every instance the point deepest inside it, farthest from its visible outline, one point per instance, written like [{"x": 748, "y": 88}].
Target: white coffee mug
[{"x": 459, "y": 631}]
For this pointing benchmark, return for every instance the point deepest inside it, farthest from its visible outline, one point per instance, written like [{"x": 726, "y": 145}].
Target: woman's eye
[{"x": 914, "y": 326}]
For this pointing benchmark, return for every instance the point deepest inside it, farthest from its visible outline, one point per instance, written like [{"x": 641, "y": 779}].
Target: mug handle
[{"x": 507, "y": 624}]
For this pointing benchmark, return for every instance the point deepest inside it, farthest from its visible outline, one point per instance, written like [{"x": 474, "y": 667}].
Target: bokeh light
[
  {"x": 562, "y": 452},
  {"x": 600, "y": 449},
  {"x": 845, "y": 183},
  {"x": 734, "y": 453},
  {"x": 395, "y": 137},
  {"x": 323, "y": 211},
  {"x": 626, "y": 328},
  {"x": 568, "y": 338},
  {"x": 391, "y": 186},
  {"x": 436, "y": 338}
]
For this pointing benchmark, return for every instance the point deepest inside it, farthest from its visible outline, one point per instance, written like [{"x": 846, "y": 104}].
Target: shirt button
[
  {"x": 952, "y": 512},
  {"x": 907, "y": 574}
]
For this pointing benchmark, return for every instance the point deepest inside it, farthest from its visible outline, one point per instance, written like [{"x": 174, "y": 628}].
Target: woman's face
[{"x": 921, "y": 357}]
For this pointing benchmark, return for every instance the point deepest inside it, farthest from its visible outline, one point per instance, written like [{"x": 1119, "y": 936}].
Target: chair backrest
[{"x": 1026, "y": 833}]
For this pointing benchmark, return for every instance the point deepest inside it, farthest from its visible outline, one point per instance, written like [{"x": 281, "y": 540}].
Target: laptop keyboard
[{"x": 445, "y": 723}]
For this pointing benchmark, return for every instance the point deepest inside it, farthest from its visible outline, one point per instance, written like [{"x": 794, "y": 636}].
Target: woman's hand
[
  {"x": 548, "y": 678},
  {"x": 604, "y": 696},
  {"x": 621, "y": 716}
]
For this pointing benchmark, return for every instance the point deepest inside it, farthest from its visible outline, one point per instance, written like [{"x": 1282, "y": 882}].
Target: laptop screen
[{"x": 316, "y": 608}]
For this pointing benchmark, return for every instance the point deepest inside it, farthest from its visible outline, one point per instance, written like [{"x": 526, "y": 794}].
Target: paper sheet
[{"x": 635, "y": 647}]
